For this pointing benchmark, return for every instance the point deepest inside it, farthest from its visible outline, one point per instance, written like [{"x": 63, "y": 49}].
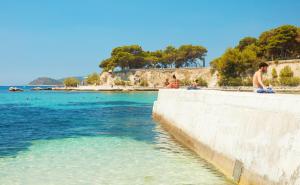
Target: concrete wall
[{"x": 255, "y": 134}]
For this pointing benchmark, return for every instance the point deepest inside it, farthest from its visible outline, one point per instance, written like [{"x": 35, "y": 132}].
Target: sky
[{"x": 61, "y": 38}]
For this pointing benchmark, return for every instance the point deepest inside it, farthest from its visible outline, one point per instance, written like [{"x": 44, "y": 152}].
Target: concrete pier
[{"x": 253, "y": 139}]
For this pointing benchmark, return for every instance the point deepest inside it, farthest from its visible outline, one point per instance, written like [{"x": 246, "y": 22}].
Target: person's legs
[
  {"x": 270, "y": 90},
  {"x": 260, "y": 90}
]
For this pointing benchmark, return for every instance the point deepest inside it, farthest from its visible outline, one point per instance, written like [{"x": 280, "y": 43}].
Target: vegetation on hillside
[
  {"x": 238, "y": 64},
  {"x": 134, "y": 57}
]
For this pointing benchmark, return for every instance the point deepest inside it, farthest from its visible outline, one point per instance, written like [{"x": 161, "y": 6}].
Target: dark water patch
[
  {"x": 105, "y": 103},
  {"x": 20, "y": 125},
  {"x": 13, "y": 105}
]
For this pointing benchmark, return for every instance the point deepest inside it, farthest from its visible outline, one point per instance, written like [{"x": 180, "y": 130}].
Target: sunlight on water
[
  {"x": 89, "y": 139},
  {"x": 105, "y": 160}
]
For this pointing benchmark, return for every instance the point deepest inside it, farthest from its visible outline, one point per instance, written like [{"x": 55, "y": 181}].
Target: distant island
[
  {"x": 46, "y": 81},
  {"x": 51, "y": 81}
]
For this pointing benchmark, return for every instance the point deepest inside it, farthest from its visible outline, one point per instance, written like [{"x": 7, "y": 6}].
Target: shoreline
[
  {"x": 287, "y": 90},
  {"x": 279, "y": 90}
]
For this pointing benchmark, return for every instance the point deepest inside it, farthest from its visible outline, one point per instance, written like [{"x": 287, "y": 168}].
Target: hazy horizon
[{"x": 58, "y": 39}]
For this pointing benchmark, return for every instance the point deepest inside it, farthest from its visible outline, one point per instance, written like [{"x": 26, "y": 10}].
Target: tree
[
  {"x": 154, "y": 59},
  {"x": 188, "y": 55},
  {"x": 134, "y": 57},
  {"x": 280, "y": 43},
  {"x": 234, "y": 65},
  {"x": 93, "y": 79},
  {"x": 108, "y": 64},
  {"x": 238, "y": 64},
  {"x": 247, "y": 41},
  {"x": 71, "y": 82},
  {"x": 169, "y": 56}
]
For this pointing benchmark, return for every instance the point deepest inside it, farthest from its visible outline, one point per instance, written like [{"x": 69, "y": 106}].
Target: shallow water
[{"x": 59, "y": 138}]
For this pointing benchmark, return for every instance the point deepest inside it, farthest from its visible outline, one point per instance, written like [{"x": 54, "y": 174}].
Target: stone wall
[
  {"x": 278, "y": 65},
  {"x": 157, "y": 77},
  {"x": 252, "y": 138}
]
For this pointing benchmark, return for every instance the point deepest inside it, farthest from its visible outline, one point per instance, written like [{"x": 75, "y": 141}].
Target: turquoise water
[{"x": 71, "y": 138}]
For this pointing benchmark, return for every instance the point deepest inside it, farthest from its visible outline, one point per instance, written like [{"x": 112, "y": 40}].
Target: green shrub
[
  {"x": 266, "y": 82},
  {"x": 201, "y": 82},
  {"x": 274, "y": 82},
  {"x": 230, "y": 81},
  {"x": 144, "y": 83},
  {"x": 247, "y": 82},
  {"x": 286, "y": 72},
  {"x": 290, "y": 81},
  {"x": 120, "y": 82},
  {"x": 71, "y": 82},
  {"x": 287, "y": 77},
  {"x": 185, "y": 82},
  {"x": 93, "y": 79},
  {"x": 274, "y": 73}
]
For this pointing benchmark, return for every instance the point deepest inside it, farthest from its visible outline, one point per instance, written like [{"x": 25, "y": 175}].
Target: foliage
[
  {"x": 274, "y": 73},
  {"x": 107, "y": 64},
  {"x": 240, "y": 62},
  {"x": 134, "y": 57},
  {"x": 120, "y": 82},
  {"x": 287, "y": 77},
  {"x": 201, "y": 82},
  {"x": 280, "y": 43},
  {"x": 93, "y": 79},
  {"x": 266, "y": 82},
  {"x": 185, "y": 82},
  {"x": 290, "y": 81},
  {"x": 71, "y": 82},
  {"x": 188, "y": 55},
  {"x": 234, "y": 64},
  {"x": 230, "y": 81},
  {"x": 144, "y": 83},
  {"x": 247, "y": 41},
  {"x": 247, "y": 81},
  {"x": 274, "y": 82},
  {"x": 286, "y": 72}
]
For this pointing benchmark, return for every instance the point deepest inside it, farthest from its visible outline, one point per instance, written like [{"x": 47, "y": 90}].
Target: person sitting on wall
[
  {"x": 174, "y": 84},
  {"x": 194, "y": 85},
  {"x": 258, "y": 84},
  {"x": 167, "y": 82}
]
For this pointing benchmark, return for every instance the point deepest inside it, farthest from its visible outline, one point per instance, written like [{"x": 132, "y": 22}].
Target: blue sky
[{"x": 59, "y": 38}]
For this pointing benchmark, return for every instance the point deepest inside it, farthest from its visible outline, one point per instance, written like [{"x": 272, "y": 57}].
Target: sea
[{"x": 92, "y": 138}]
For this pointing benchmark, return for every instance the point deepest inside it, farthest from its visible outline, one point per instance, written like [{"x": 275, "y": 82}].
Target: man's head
[
  {"x": 174, "y": 77},
  {"x": 263, "y": 67}
]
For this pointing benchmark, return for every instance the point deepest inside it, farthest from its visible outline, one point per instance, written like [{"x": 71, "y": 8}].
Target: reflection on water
[{"x": 92, "y": 138}]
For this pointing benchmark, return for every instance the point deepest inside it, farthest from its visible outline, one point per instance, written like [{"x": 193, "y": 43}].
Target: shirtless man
[{"x": 258, "y": 84}]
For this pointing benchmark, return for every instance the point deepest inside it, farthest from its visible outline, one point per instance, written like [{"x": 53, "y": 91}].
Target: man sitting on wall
[
  {"x": 174, "y": 84},
  {"x": 258, "y": 84}
]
